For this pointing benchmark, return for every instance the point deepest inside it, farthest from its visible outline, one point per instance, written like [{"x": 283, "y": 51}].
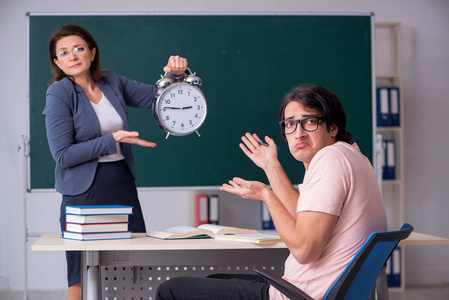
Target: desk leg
[{"x": 91, "y": 275}]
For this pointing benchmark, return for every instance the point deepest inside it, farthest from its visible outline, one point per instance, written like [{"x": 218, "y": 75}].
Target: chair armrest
[{"x": 282, "y": 285}]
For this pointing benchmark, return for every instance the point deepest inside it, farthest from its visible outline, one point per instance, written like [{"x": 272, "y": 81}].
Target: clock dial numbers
[{"x": 182, "y": 108}]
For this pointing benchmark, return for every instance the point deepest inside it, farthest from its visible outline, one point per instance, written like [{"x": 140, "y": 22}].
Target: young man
[{"x": 324, "y": 222}]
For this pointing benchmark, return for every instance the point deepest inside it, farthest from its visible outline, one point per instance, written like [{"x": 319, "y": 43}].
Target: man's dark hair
[{"x": 318, "y": 98}]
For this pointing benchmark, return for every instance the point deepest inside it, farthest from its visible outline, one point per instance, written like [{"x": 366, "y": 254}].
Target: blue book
[
  {"x": 394, "y": 106},
  {"x": 99, "y": 210},
  {"x": 383, "y": 107},
  {"x": 267, "y": 222}
]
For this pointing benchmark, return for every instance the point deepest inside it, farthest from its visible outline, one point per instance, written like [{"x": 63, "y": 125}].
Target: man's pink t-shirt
[{"x": 339, "y": 181}]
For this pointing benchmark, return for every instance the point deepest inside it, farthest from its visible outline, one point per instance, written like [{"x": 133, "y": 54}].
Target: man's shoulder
[
  {"x": 338, "y": 148},
  {"x": 339, "y": 151},
  {"x": 341, "y": 148}
]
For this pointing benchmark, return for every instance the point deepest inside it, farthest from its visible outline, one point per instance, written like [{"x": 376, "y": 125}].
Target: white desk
[
  {"x": 54, "y": 242},
  {"x": 135, "y": 267},
  {"x": 416, "y": 238}
]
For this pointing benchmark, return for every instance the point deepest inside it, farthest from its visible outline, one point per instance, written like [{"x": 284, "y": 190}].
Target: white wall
[{"x": 425, "y": 68}]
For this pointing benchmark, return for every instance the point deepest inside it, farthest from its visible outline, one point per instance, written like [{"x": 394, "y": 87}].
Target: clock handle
[
  {"x": 192, "y": 78},
  {"x": 189, "y": 78},
  {"x": 199, "y": 135}
]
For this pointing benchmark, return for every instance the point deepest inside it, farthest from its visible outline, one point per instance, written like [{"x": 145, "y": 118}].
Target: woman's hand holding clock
[{"x": 176, "y": 65}]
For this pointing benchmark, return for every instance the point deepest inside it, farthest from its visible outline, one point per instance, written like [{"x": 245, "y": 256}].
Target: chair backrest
[{"x": 359, "y": 277}]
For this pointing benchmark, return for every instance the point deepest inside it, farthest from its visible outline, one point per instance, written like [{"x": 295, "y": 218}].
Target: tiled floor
[
  {"x": 34, "y": 295},
  {"x": 411, "y": 293},
  {"x": 422, "y": 293}
]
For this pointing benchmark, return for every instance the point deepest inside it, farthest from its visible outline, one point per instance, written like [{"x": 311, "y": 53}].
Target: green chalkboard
[{"x": 247, "y": 63}]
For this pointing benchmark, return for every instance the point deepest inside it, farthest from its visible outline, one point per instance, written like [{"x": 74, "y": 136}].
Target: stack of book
[{"x": 99, "y": 222}]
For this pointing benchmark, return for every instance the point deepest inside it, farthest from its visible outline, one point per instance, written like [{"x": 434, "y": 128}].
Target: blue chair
[{"x": 359, "y": 277}]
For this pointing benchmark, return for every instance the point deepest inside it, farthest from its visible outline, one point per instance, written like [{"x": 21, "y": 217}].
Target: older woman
[{"x": 88, "y": 131}]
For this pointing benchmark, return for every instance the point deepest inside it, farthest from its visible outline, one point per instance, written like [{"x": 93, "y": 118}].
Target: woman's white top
[{"x": 110, "y": 122}]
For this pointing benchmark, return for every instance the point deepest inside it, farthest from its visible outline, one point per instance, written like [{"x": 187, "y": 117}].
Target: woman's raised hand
[{"x": 176, "y": 65}]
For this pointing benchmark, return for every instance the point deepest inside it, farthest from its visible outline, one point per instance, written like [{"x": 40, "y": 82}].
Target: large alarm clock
[{"x": 180, "y": 106}]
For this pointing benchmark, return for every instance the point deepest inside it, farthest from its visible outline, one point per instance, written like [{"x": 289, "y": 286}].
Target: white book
[
  {"x": 105, "y": 227},
  {"x": 98, "y": 209},
  {"x": 92, "y": 219}
]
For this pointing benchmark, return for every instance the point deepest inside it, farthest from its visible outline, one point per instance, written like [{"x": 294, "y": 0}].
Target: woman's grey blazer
[{"x": 73, "y": 130}]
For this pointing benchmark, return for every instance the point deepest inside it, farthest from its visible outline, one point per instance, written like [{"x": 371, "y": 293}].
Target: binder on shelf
[
  {"x": 393, "y": 268},
  {"x": 383, "y": 164},
  {"x": 394, "y": 106},
  {"x": 389, "y": 170},
  {"x": 384, "y": 161},
  {"x": 383, "y": 110},
  {"x": 214, "y": 209},
  {"x": 267, "y": 222},
  {"x": 201, "y": 209},
  {"x": 388, "y": 108}
]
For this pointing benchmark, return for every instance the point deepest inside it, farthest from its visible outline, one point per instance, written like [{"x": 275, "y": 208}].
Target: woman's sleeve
[
  {"x": 137, "y": 94},
  {"x": 61, "y": 124}
]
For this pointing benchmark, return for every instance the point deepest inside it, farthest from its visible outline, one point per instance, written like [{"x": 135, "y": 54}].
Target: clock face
[{"x": 180, "y": 109}]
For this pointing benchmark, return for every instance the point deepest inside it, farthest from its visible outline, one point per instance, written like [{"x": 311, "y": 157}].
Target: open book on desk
[
  {"x": 261, "y": 238},
  {"x": 202, "y": 231}
]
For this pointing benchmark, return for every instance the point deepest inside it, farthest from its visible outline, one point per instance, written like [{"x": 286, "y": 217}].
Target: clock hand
[{"x": 181, "y": 108}]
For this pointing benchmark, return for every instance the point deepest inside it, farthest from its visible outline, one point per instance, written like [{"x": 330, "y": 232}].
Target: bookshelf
[{"x": 389, "y": 74}]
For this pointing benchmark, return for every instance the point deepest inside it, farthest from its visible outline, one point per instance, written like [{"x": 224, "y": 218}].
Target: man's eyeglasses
[
  {"x": 76, "y": 51},
  {"x": 308, "y": 124}
]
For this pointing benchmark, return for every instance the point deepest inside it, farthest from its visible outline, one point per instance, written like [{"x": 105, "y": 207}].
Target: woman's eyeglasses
[{"x": 76, "y": 51}]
